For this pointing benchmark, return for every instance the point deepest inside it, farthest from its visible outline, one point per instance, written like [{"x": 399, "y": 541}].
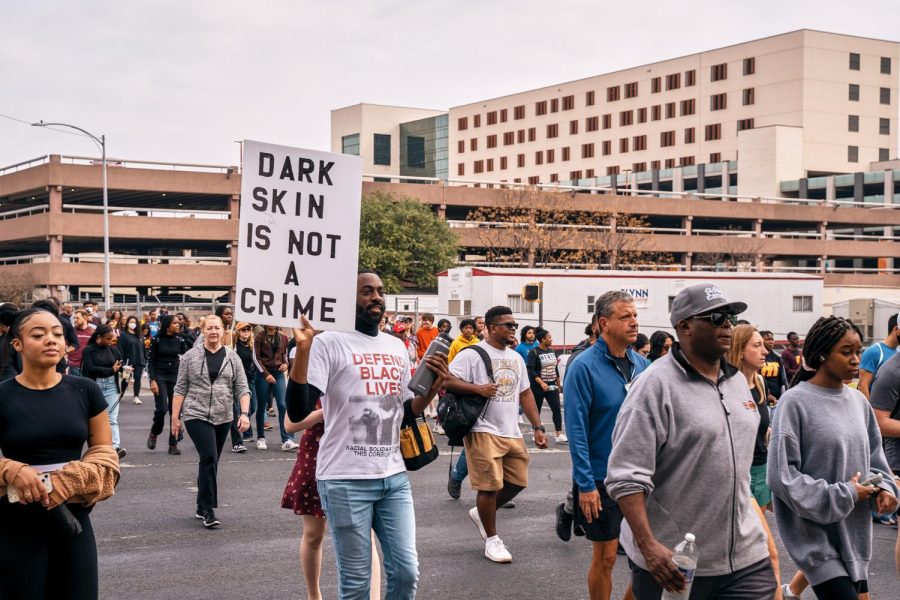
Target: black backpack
[{"x": 457, "y": 413}]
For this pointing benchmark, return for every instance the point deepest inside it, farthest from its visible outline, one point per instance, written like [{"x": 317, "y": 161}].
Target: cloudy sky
[{"x": 180, "y": 81}]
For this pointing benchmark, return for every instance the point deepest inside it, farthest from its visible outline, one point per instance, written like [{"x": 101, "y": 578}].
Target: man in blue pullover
[{"x": 596, "y": 386}]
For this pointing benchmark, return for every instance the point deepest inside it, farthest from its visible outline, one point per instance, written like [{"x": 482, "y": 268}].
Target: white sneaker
[
  {"x": 261, "y": 444},
  {"x": 495, "y": 550},
  {"x": 438, "y": 429},
  {"x": 473, "y": 514},
  {"x": 786, "y": 592},
  {"x": 521, "y": 419},
  {"x": 137, "y": 400},
  {"x": 289, "y": 445},
  {"x": 562, "y": 439}
]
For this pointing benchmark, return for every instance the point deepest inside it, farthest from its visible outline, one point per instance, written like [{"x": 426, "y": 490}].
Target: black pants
[
  {"x": 163, "y": 405},
  {"x": 552, "y": 398},
  {"x": 37, "y": 564},
  {"x": 756, "y": 582},
  {"x": 208, "y": 439},
  {"x": 840, "y": 588},
  {"x": 136, "y": 379}
]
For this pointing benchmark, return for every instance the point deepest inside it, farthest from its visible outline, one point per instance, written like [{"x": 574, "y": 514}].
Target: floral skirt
[{"x": 300, "y": 493}]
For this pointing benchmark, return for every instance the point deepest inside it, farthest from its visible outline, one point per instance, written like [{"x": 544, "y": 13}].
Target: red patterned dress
[{"x": 300, "y": 493}]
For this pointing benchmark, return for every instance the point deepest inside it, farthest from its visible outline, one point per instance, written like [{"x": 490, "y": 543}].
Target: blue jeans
[
  {"x": 355, "y": 507},
  {"x": 75, "y": 371},
  {"x": 111, "y": 394},
  {"x": 263, "y": 389},
  {"x": 461, "y": 468}
]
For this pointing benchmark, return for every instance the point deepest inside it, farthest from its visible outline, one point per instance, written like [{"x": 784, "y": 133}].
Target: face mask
[{"x": 132, "y": 326}]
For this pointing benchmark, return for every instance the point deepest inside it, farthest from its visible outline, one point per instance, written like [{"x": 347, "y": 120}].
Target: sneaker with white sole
[
  {"x": 261, "y": 444},
  {"x": 137, "y": 400},
  {"x": 495, "y": 550},
  {"x": 473, "y": 514},
  {"x": 289, "y": 445},
  {"x": 210, "y": 520},
  {"x": 562, "y": 439},
  {"x": 239, "y": 448},
  {"x": 438, "y": 429},
  {"x": 786, "y": 592}
]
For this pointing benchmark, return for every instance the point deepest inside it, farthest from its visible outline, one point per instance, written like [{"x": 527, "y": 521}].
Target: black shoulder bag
[{"x": 458, "y": 413}]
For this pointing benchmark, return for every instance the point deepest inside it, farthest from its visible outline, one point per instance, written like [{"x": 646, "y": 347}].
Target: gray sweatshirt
[
  {"x": 687, "y": 443},
  {"x": 205, "y": 400},
  {"x": 820, "y": 438}
]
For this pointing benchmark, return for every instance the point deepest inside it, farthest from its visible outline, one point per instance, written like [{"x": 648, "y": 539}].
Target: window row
[
  {"x": 856, "y": 63},
  {"x": 853, "y": 154},
  {"x": 884, "y": 94},
  {"x": 884, "y": 125}
]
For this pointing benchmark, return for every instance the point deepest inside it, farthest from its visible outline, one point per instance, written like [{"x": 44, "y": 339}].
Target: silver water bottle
[{"x": 424, "y": 378}]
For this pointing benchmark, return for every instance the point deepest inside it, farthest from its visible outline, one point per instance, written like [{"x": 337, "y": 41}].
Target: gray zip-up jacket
[
  {"x": 820, "y": 438},
  {"x": 211, "y": 402},
  {"x": 687, "y": 443}
]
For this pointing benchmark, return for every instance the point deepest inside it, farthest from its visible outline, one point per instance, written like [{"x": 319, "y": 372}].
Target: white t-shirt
[
  {"x": 363, "y": 380},
  {"x": 502, "y": 415}
]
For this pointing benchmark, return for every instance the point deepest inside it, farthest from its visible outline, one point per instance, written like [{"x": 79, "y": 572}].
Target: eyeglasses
[
  {"x": 511, "y": 325},
  {"x": 718, "y": 319}
]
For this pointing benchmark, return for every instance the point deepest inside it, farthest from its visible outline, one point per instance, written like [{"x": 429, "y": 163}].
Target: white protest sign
[{"x": 299, "y": 237}]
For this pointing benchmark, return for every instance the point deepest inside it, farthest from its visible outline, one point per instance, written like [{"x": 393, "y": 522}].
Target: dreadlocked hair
[{"x": 822, "y": 337}]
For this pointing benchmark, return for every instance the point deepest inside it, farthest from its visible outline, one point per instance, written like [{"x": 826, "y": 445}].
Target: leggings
[
  {"x": 36, "y": 564},
  {"x": 840, "y": 588},
  {"x": 163, "y": 405},
  {"x": 552, "y": 398}
]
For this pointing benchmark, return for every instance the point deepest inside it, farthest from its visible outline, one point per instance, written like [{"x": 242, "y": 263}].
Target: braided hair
[{"x": 825, "y": 333}]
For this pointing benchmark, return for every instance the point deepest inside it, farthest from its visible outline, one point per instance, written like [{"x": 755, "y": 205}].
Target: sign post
[{"x": 299, "y": 237}]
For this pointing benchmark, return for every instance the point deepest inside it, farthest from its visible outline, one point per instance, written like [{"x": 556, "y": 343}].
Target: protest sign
[{"x": 299, "y": 237}]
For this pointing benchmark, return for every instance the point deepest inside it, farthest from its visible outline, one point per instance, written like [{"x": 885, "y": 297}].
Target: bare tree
[
  {"x": 15, "y": 289},
  {"x": 732, "y": 250}
]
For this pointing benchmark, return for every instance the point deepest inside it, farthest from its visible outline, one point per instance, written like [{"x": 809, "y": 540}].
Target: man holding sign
[{"x": 361, "y": 378}]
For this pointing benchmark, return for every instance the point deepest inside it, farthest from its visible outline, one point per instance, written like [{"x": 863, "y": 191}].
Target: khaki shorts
[{"x": 493, "y": 459}]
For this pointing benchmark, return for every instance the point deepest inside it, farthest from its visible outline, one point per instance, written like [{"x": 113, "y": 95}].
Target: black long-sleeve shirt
[
  {"x": 132, "y": 348},
  {"x": 165, "y": 356},
  {"x": 97, "y": 361}
]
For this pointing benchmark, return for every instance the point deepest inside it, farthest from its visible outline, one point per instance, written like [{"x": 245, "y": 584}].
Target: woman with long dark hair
[
  {"x": 132, "y": 347},
  {"x": 660, "y": 343},
  {"x": 48, "y": 550},
  {"x": 824, "y": 451},
  {"x": 102, "y": 362},
  {"x": 10, "y": 364},
  {"x": 162, "y": 366}
]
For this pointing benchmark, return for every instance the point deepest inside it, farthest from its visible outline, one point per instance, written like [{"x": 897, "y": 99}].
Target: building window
[
  {"x": 519, "y": 112},
  {"x": 590, "y": 304},
  {"x": 573, "y": 127},
  {"x": 623, "y": 145},
  {"x": 520, "y": 136},
  {"x": 574, "y": 175},
  {"x": 415, "y": 151},
  {"x": 749, "y": 96},
  {"x": 749, "y": 66},
  {"x": 718, "y": 102},
  {"x": 670, "y": 110},
  {"x": 607, "y": 121},
  {"x": 478, "y": 166},
  {"x": 667, "y": 138},
  {"x": 670, "y": 163},
  {"x": 689, "y": 135},
  {"x": 884, "y": 95},
  {"x": 534, "y": 180},
  {"x": 715, "y": 157},
  {"x": 885, "y": 65},
  {"x": 690, "y": 78},
  {"x": 473, "y": 144},
  {"x": 612, "y": 170},
  {"x": 639, "y": 143},
  {"x": 884, "y": 126},
  {"x": 587, "y": 151},
  {"x": 489, "y": 166},
  {"x": 853, "y": 154},
  {"x": 639, "y": 167},
  {"x": 502, "y": 163},
  {"x": 476, "y": 121},
  {"x": 686, "y": 161},
  {"x": 673, "y": 82},
  {"x": 884, "y": 154},
  {"x": 743, "y": 124},
  {"x": 626, "y": 117},
  {"x": 509, "y": 138},
  {"x": 515, "y": 180},
  {"x": 539, "y": 157},
  {"x": 554, "y": 178},
  {"x": 503, "y": 114},
  {"x": 350, "y": 144},
  {"x": 655, "y": 112},
  {"x": 532, "y": 134},
  {"x": 654, "y": 165},
  {"x": 492, "y": 141},
  {"x": 382, "y": 154},
  {"x": 554, "y": 105},
  {"x": 462, "y": 123},
  {"x": 631, "y": 90},
  {"x": 606, "y": 148},
  {"x": 642, "y": 115},
  {"x": 853, "y": 123},
  {"x": 553, "y": 130},
  {"x": 492, "y": 117},
  {"x": 688, "y": 107},
  {"x": 540, "y": 108},
  {"x": 551, "y": 156},
  {"x": 612, "y": 93},
  {"x": 566, "y": 153},
  {"x": 589, "y": 98},
  {"x": 568, "y": 102},
  {"x": 854, "y": 92},
  {"x": 713, "y": 132},
  {"x": 592, "y": 123},
  {"x": 718, "y": 72},
  {"x": 803, "y": 304},
  {"x": 589, "y": 174},
  {"x": 655, "y": 85},
  {"x": 460, "y": 169},
  {"x": 461, "y": 146},
  {"x": 854, "y": 61},
  {"x": 520, "y": 160}
]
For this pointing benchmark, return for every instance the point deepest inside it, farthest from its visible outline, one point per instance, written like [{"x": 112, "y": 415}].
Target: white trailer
[
  {"x": 870, "y": 315},
  {"x": 780, "y": 302}
]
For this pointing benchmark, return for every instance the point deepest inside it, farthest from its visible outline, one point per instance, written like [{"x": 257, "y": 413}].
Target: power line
[{"x": 23, "y": 121}]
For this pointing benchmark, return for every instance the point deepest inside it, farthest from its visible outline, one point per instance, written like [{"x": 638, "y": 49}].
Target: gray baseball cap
[{"x": 700, "y": 299}]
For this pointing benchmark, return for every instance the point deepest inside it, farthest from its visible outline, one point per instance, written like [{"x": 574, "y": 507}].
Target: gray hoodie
[
  {"x": 820, "y": 438},
  {"x": 205, "y": 400},
  {"x": 687, "y": 443}
]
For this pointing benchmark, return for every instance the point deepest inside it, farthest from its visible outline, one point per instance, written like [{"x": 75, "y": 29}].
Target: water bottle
[
  {"x": 424, "y": 378},
  {"x": 685, "y": 559}
]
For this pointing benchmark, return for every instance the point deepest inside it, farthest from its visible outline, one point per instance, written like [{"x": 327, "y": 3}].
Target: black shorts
[{"x": 607, "y": 526}]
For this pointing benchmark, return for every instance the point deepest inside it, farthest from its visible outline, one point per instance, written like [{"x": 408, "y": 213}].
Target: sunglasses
[
  {"x": 245, "y": 329},
  {"x": 511, "y": 325},
  {"x": 718, "y": 319}
]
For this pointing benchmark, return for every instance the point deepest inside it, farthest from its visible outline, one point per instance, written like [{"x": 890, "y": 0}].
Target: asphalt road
[{"x": 151, "y": 546}]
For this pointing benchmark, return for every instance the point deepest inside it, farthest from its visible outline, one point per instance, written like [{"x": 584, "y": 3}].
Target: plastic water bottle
[
  {"x": 685, "y": 559},
  {"x": 424, "y": 377}
]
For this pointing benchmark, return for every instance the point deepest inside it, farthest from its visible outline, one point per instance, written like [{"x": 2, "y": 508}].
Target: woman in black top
[
  {"x": 244, "y": 348},
  {"x": 102, "y": 362},
  {"x": 543, "y": 373},
  {"x": 45, "y": 420},
  {"x": 10, "y": 363},
  {"x": 131, "y": 344},
  {"x": 162, "y": 365}
]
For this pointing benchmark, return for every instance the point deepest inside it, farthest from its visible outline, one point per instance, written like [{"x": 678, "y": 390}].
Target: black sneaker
[
  {"x": 210, "y": 520},
  {"x": 578, "y": 530},
  {"x": 151, "y": 442},
  {"x": 174, "y": 451},
  {"x": 509, "y": 504},
  {"x": 121, "y": 452},
  {"x": 453, "y": 487},
  {"x": 199, "y": 513},
  {"x": 563, "y": 523}
]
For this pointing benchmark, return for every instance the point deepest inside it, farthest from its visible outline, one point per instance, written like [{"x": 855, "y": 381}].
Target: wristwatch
[{"x": 539, "y": 428}]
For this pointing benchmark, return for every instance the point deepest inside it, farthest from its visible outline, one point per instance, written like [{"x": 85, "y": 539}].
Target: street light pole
[{"x": 101, "y": 142}]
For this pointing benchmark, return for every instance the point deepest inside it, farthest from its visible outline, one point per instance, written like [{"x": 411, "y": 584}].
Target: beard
[{"x": 367, "y": 315}]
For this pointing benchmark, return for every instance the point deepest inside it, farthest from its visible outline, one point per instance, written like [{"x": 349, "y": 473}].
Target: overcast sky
[{"x": 180, "y": 81}]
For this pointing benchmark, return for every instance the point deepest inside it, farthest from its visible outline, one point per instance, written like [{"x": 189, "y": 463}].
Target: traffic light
[{"x": 532, "y": 292}]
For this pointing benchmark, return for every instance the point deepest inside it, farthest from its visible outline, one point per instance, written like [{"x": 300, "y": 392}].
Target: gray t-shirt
[{"x": 885, "y": 395}]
